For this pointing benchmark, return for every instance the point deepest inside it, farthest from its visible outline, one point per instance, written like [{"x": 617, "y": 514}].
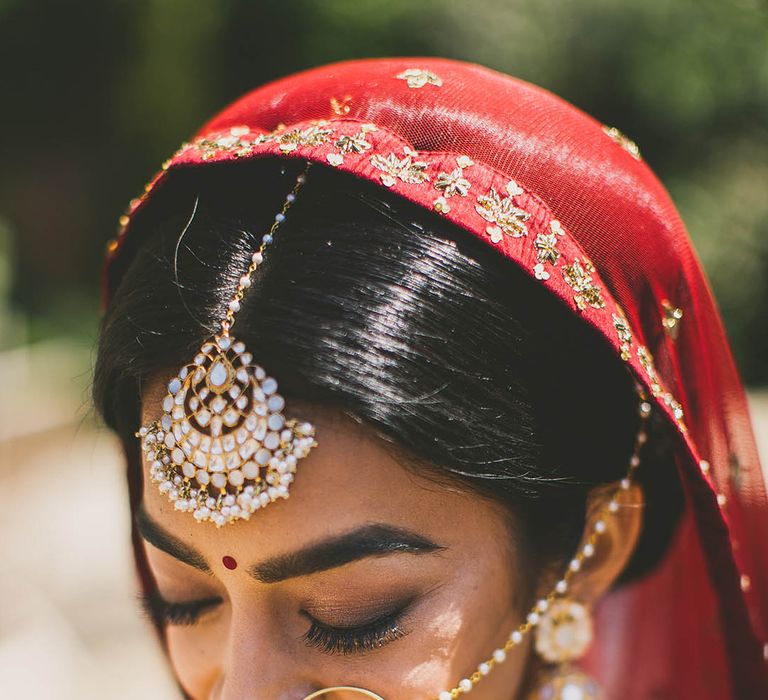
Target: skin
[{"x": 455, "y": 573}]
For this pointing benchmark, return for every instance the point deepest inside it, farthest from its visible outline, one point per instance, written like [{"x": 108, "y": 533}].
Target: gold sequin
[
  {"x": 671, "y": 319},
  {"x": 353, "y": 144},
  {"x": 341, "y": 107},
  {"x": 503, "y": 212},
  {"x": 453, "y": 183},
  {"x": 406, "y": 169},
  {"x": 626, "y": 143},
  {"x": 624, "y": 335},
  {"x": 646, "y": 360},
  {"x": 418, "y": 78},
  {"x": 441, "y": 205},
  {"x": 233, "y": 142},
  {"x": 290, "y": 140},
  {"x": 579, "y": 278},
  {"x": 546, "y": 248}
]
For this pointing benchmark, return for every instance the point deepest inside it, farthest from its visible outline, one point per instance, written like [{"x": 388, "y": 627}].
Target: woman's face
[{"x": 368, "y": 575}]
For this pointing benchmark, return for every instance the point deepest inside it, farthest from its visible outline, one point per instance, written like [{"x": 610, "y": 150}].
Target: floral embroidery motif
[
  {"x": 209, "y": 148},
  {"x": 671, "y": 319},
  {"x": 288, "y": 141},
  {"x": 546, "y": 248},
  {"x": 454, "y": 183},
  {"x": 625, "y": 142},
  {"x": 579, "y": 278},
  {"x": 355, "y": 143},
  {"x": 410, "y": 171},
  {"x": 418, "y": 78},
  {"x": 624, "y": 335},
  {"x": 501, "y": 211}
]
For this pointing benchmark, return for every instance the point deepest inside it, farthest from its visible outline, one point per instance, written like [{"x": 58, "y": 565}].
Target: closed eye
[
  {"x": 356, "y": 639},
  {"x": 169, "y": 613}
]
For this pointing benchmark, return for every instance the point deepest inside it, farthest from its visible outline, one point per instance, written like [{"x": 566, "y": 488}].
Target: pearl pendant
[{"x": 222, "y": 440}]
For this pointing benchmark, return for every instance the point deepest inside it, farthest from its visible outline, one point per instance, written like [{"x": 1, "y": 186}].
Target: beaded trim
[{"x": 586, "y": 551}]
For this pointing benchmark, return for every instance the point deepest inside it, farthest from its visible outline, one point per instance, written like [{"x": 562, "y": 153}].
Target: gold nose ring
[{"x": 360, "y": 691}]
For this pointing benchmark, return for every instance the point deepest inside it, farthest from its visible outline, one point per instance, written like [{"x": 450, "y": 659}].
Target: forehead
[{"x": 353, "y": 477}]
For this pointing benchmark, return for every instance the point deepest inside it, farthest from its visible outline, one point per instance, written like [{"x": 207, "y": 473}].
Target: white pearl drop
[
  {"x": 465, "y": 684},
  {"x": 499, "y": 655}
]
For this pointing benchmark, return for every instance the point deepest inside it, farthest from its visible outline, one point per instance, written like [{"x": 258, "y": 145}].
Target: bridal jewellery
[
  {"x": 222, "y": 447},
  {"x": 563, "y": 626},
  {"x": 557, "y": 597}
]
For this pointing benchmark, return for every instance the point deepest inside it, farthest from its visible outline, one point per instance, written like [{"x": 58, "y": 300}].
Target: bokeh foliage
[{"x": 97, "y": 93}]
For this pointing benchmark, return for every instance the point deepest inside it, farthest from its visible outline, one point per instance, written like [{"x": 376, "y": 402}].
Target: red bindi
[{"x": 229, "y": 562}]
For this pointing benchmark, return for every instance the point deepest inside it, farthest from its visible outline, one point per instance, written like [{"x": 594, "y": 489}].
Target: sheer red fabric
[{"x": 572, "y": 203}]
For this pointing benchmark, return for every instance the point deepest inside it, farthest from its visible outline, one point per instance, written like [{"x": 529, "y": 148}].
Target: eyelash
[
  {"x": 355, "y": 640},
  {"x": 182, "y": 614},
  {"x": 328, "y": 639}
]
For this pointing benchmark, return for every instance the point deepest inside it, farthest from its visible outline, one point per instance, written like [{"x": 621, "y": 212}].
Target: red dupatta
[{"x": 572, "y": 203}]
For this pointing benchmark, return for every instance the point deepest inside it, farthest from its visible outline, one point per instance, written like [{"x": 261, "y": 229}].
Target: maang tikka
[{"x": 223, "y": 448}]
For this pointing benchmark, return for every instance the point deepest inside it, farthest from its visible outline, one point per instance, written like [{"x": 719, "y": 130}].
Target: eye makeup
[
  {"x": 182, "y": 614},
  {"x": 364, "y": 637}
]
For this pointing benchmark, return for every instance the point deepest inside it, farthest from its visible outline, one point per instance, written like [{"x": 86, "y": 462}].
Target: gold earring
[{"x": 563, "y": 635}]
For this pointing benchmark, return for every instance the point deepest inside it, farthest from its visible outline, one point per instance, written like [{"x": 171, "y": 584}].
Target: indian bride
[{"x": 423, "y": 393}]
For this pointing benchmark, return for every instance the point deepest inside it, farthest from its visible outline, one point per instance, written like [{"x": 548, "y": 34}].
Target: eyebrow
[
  {"x": 165, "y": 541},
  {"x": 373, "y": 540},
  {"x": 361, "y": 543}
]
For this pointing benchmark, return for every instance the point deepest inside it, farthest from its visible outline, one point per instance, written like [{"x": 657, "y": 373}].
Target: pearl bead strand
[
  {"x": 258, "y": 257},
  {"x": 587, "y": 550}
]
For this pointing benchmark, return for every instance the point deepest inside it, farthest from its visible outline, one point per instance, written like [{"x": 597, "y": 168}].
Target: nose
[
  {"x": 257, "y": 666},
  {"x": 240, "y": 686}
]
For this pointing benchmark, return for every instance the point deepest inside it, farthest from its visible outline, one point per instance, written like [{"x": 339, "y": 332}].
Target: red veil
[{"x": 484, "y": 150}]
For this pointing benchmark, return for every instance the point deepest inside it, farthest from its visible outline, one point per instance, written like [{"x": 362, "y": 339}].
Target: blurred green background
[{"x": 97, "y": 93}]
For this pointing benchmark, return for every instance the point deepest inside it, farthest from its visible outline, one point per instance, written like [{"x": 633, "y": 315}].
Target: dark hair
[{"x": 374, "y": 306}]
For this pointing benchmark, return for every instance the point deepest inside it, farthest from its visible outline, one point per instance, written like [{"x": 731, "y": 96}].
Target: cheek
[
  {"x": 453, "y": 631},
  {"x": 471, "y": 615}
]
